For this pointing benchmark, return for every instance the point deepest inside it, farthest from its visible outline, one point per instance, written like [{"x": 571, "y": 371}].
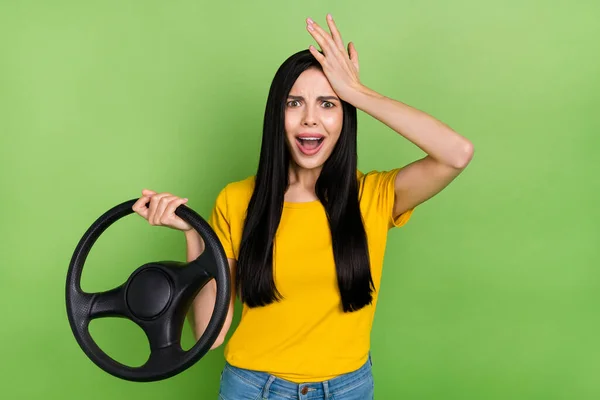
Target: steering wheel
[{"x": 156, "y": 296}]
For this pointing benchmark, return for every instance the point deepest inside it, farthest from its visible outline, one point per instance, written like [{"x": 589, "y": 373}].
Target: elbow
[
  {"x": 198, "y": 331},
  {"x": 217, "y": 343},
  {"x": 464, "y": 155},
  {"x": 220, "y": 340}
]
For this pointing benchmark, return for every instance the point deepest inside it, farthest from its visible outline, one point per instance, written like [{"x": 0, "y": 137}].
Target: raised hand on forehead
[{"x": 340, "y": 66}]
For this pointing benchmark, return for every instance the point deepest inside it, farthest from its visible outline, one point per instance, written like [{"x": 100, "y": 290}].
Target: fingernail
[
  {"x": 310, "y": 21},
  {"x": 330, "y": 17},
  {"x": 311, "y": 28}
]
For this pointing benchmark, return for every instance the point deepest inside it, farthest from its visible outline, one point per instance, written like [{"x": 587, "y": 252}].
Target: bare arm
[
  {"x": 448, "y": 153},
  {"x": 204, "y": 303}
]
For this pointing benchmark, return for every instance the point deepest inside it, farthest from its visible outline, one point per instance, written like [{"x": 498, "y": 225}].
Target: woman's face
[{"x": 313, "y": 119}]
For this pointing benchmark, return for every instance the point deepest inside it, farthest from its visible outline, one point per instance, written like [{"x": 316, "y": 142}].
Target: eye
[
  {"x": 328, "y": 104},
  {"x": 290, "y": 103}
]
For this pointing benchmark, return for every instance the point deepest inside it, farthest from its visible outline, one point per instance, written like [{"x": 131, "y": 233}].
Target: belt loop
[
  {"x": 326, "y": 389},
  {"x": 267, "y": 387}
]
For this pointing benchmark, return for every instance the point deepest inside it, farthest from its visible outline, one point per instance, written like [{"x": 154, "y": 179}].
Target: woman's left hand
[{"x": 340, "y": 67}]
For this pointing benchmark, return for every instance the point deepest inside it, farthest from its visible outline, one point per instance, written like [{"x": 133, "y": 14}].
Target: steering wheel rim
[{"x": 160, "y": 316}]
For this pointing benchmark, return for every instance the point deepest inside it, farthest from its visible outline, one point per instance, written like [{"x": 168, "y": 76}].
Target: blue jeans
[{"x": 243, "y": 384}]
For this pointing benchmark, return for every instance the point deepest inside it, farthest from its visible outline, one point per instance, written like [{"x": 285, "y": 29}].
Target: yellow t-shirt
[{"x": 306, "y": 337}]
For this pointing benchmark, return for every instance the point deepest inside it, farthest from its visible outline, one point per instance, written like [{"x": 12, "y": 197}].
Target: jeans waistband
[{"x": 283, "y": 387}]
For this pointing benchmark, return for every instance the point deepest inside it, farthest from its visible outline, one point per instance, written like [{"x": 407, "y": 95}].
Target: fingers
[
  {"x": 353, "y": 55},
  {"x": 157, "y": 207},
  {"x": 323, "y": 38},
  {"x": 335, "y": 33},
  {"x": 172, "y": 205},
  {"x": 320, "y": 57},
  {"x": 140, "y": 207},
  {"x": 165, "y": 212},
  {"x": 331, "y": 44}
]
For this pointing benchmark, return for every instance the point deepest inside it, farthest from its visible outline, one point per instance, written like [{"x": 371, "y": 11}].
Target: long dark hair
[{"x": 336, "y": 188}]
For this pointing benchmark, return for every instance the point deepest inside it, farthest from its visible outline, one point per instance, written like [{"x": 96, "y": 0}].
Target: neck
[
  {"x": 302, "y": 183},
  {"x": 302, "y": 177}
]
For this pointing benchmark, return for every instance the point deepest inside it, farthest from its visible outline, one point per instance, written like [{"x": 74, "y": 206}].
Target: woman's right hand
[{"x": 161, "y": 210}]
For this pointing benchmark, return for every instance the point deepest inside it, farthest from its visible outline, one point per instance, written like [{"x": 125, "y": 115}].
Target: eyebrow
[{"x": 327, "y": 98}]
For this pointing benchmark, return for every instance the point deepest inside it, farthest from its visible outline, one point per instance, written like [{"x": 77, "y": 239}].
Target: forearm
[
  {"x": 194, "y": 245},
  {"x": 201, "y": 312},
  {"x": 432, "y": 136}
]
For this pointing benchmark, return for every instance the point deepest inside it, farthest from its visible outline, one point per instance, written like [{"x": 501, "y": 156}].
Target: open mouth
[{"x": 310, "y": 145}]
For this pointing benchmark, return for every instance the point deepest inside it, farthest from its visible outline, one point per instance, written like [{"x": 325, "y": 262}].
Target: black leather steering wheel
[{"x": 156, "y": 296}]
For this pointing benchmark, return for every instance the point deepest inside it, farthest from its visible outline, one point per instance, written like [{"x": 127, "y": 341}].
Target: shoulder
[
  {"x": 374, "y": 181},
  {"x": 377, "y": 192},
  {"x": 236, "y": 194},
  {"x": 241, "y": 187}
]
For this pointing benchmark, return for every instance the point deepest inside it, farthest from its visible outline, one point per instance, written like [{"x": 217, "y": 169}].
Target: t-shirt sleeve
[
  {"x": 381, "y": 185},
  {"x": 219, "y": 222}
]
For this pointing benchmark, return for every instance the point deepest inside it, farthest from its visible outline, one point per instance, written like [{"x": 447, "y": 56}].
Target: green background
[{"x": 491, "y": 290}]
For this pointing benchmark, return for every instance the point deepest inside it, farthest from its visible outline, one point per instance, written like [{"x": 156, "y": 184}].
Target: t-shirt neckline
[{"x": 306, "y": 204}]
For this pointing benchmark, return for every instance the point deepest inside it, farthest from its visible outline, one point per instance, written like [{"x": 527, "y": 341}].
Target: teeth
[{"x": 306, "y": 138}]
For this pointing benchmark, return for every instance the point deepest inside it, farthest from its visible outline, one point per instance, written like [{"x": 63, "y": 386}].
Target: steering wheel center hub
[{"x": 149, "y": 293}]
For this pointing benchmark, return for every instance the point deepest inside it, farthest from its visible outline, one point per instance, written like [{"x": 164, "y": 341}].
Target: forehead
[{"x": 312, "y": 82}]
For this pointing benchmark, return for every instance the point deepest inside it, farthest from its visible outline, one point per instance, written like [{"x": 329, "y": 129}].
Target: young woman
[{"x": 305, "y": 237}]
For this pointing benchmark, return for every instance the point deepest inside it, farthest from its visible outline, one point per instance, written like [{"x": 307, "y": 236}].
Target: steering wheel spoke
[
  {"x": 198, "y": 272},
  {"x": 165, "y": 357},
  {"x": 163, "y": 331},
  {"x": 110, "y": 303}
]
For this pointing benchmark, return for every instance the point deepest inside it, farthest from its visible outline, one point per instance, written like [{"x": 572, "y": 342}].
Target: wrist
[{"x": 361, "y": 95}]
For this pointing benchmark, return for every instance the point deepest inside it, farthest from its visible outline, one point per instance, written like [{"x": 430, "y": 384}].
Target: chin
[{"x": 303, "y": 163}]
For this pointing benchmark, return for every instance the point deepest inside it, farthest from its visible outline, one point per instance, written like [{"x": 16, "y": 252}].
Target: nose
[{"x": 309, "y": 117}]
